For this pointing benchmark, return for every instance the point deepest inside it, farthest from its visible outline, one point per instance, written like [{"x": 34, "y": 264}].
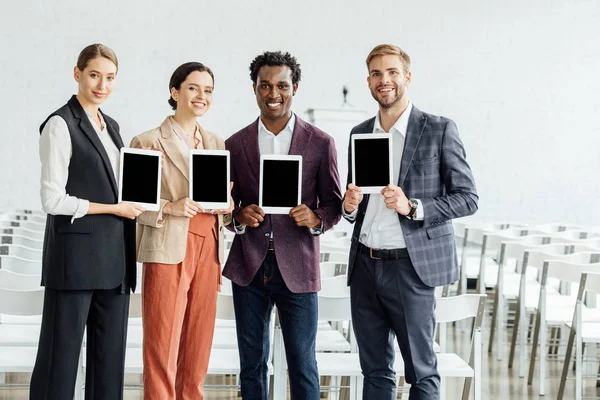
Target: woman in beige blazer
[{"x": 181, "y": 247}]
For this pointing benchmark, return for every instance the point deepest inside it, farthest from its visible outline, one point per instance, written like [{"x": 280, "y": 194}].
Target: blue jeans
[{"x": 298, "y": 317}]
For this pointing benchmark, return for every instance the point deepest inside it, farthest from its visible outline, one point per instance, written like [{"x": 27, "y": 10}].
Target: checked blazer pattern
[{"x": 433, "y": 169}]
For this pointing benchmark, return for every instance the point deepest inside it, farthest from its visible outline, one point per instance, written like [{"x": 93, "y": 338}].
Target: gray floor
[{"x": 498, "y": 381}]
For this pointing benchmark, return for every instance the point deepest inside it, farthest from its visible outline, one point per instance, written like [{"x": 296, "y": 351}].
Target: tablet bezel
[
  {"x": 209, "y": 205},
  {"x": 367, "y": 136},
  {"x": 154, "y": 153},
  {"x": 279, "y": 210}
]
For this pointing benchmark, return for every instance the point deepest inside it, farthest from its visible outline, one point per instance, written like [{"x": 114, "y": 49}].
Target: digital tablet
[
  {"x": 280, "y": 187},
  {"x": 209, "y": 178},
  {"x": 139, "y": 177},
  {"x": 372, "y": 161}
]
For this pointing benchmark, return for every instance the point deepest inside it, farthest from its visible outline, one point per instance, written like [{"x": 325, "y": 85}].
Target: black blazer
[{"x": 95, "y": 251}]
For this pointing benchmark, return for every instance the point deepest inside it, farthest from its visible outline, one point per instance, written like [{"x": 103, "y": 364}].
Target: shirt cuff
[
  {"x": 82, "y": 209},
  {"x": 420, "y": 214},
  {"x": 351, "y": 216},
  {"x": 317, "y": 230},
  {"x": 239, "y": 228},
  {"x": 160, "y": 221}
]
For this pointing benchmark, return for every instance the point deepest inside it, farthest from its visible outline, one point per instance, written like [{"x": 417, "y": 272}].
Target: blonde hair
[
  {"x": 389, "y": 49},
  {"x": 96, "y": 50}
]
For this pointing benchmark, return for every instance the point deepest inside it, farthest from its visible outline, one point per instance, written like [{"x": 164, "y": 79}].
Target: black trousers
[
  {"x": 389, "y": 300},
  {"x": 65, "y": 316}
]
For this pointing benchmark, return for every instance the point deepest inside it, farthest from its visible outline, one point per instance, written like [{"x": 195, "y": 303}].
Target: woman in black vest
[{"x": 88, "y": 266}]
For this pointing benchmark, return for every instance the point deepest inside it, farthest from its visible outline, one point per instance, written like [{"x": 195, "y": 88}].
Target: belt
[
  {"x": 383, "y": 254},
  {"x": 271, "y": 245}
]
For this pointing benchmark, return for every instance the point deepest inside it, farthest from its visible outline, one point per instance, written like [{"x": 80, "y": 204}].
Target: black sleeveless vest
[{"x": 95, "y": 251}]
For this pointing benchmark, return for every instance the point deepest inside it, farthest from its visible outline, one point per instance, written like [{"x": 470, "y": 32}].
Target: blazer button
[{"x": 267, "y": 234}]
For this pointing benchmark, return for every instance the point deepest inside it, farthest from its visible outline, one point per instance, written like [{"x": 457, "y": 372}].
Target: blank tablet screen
[
  {"x": 280, "y": 183},
  {"x": 140, "y": 178},
  {"x": 372, "y": 162},
  {"x": 210, "y": 178}
]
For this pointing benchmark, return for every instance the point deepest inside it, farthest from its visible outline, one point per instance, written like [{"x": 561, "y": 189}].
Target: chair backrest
[
  {"x": 22, "y": 241},
  {"x": 577, "y": 235},
  {"x": 569, "y": 268},
  {"x": 13, "y": 281},
  {"x": 329, "y": 269},
  {"x": 334, "y": 308},
  {"x": 335, "y": 287},
  {"x": 21, "y": 302},
  {"x": 328, "y": 248},
  {"x": 225, "y": 309},
  {"x": 21, "y": 251},
  {"x": 593, "y": 242},
  {"x": 337, "y": 257},
  {"x": 35, "y": 226},
  {"x": 456, "y": 308},
  {"x": 16, "y": 230},
  {"x": 135, "y": 305},
  {"x": 556, "y": 227},
  {"x": 534, "y": 257},
  {"x": 590, "y": 281},
  {"x": 21, "y": 265}
]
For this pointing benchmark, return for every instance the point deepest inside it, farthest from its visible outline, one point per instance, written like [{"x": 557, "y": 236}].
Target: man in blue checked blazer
[{"x": 403, "y": 241}]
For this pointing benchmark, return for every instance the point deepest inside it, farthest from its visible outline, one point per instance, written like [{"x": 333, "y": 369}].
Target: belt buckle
[{"x": 371, "y": 254}]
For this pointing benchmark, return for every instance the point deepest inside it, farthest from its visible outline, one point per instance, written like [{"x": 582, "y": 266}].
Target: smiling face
[
  {"x": 194, "y": 95},
  {"x": 274, "y": 91},
  {"x": 96, "y": 81},
  {"x": 388, "y": 80}
]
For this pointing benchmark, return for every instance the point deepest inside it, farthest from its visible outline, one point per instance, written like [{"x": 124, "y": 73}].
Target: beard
[{"x": 391, "y": 103}]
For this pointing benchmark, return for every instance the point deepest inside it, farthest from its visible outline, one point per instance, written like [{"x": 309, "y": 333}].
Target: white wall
[{"x": 520, "y": 78}]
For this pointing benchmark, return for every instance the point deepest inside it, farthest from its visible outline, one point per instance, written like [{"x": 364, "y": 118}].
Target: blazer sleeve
[
  {"x": 328, "y": 188},
  {"x": 155, "y": 219},
  {"x": 460, "y": 197}
]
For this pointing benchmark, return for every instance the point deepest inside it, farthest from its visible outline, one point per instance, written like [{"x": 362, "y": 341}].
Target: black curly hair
[{"x": 275, "y": 58}]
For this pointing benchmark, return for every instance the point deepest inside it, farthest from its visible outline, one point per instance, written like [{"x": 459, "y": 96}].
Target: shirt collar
[
  {"x": 183, "y": 135},
  {"x": 289, "y": 127},
  {"x": 91, "y": 118},
  {"x": 400, "y": 126}
]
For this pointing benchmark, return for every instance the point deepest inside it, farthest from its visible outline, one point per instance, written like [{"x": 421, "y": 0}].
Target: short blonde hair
[{"x": 389, "y": 49}]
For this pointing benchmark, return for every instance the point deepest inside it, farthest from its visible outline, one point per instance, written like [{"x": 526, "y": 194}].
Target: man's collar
[
  {"x": 288, "y": 127},
  {"x": 401, "y": 123}
]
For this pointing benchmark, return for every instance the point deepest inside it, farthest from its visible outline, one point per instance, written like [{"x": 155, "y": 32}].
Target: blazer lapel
[
  {"x": 250, "y": 140},
  {"x": 416, "y": 125},
  {"x": 90, "y": 132},
  {"x": 300, "y": 138},
  {"x": 167, "y": 141}
]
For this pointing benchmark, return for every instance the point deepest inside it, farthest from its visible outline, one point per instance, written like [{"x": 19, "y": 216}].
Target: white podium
[{"x": 338, "y": 122}]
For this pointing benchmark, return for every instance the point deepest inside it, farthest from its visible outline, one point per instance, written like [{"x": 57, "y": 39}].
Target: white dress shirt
[
  {"x": 381, "y": 228},
  {"x": 55, "y": 155}
]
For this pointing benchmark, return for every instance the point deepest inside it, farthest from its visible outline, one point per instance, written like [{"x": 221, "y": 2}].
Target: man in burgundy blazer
[{"x": 274, "y": 259}]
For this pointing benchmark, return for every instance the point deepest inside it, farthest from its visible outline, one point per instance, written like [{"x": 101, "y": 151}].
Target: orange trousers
[{"x": 179, "y": 309}]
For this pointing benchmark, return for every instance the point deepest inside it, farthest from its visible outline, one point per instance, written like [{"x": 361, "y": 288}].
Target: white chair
[
  {"x": 21, "y": 241},
  {"x": 581, "y": 331},
  {"x": 528, "y": 291},
  {"x": 16, "y": 230},
  {"x": 20, "y": 265},
  {"x": 31, "y": 225},
  {"x": 16, "y": 356},
  {"x": 448, "y": 309},
  {"x": 558, "y": 316},
  {"x": 331, "y": 269},
  {"x": 14, "y": 281},
  {"x": 21, "y": 251}
]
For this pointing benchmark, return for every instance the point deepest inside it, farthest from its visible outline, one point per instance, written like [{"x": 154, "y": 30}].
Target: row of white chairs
[{"x": 512, "y": 259}]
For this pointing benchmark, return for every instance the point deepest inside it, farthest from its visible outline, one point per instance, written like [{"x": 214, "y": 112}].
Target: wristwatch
[{"x": 414, "y": 204}]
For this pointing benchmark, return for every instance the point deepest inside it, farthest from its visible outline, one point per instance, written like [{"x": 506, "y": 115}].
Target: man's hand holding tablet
[{"x": 352, "y": 198}]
